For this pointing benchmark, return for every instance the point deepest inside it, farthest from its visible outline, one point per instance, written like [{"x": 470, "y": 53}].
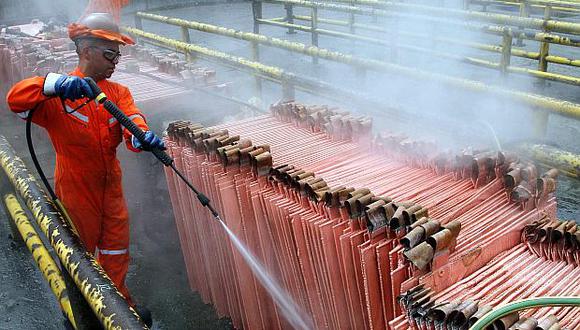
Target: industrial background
[{"x": 312, "y": 126}]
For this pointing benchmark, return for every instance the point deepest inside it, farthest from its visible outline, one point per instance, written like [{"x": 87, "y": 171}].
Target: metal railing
[
  {"x": 546, "y": 103},
  {"x": 545, "y": 36}
]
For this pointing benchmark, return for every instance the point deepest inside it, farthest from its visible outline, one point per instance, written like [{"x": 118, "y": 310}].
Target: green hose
[{"x": 502, "y": 311}]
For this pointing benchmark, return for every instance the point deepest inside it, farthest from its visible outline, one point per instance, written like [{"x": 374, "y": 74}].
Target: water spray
[{"x": 288, "y": 306}]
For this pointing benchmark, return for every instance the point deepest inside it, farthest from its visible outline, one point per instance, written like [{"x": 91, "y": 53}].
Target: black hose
[
  {"x": 140, "y": 135},
  {"x": 33, "y": 154}
]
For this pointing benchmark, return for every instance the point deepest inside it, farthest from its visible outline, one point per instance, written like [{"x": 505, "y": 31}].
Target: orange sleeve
[
  {"x": 126, "y": 103},
  {"x": 29, "y": 94}
]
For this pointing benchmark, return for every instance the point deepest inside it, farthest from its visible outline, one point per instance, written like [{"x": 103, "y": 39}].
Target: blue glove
[
  {"x": 67, "y": 87},
  {"x": 151, "y": 141}
]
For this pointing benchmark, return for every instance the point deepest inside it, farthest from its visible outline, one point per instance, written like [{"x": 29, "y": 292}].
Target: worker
[{"x": 87, "y": 172}]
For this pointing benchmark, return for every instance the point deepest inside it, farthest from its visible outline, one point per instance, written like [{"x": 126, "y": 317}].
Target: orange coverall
[{"x": 87, "y": 173}]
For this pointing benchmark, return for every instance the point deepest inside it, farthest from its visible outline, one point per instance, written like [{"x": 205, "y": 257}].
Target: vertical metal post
[
  {"x": 506, "y": 50},
  {"x": 139, "y": 25},
  {"x": 290, "y": 17},
  {"x": 257, "y": 11},
  {"x": 544, "y": 46},
  {"x": 539, "y": 123},
  {"x": 540, "y": 118},
  {"x": 466, "y": 4},
  {"x": 524, "y": 12},
  {"x": 314, "y": 31},
  {"x": 351, "y": 19},
  {"x": 256, "y": 58},
  {"x": 185, "y": 38},
  {"x": 288, "y": 91}
]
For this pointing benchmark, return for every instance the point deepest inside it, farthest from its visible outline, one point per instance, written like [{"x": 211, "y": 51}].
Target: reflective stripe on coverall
[{"x": 87, "y": 173}]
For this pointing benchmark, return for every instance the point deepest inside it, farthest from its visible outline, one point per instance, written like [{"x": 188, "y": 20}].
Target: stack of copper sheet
[
  {"x": 547, "y": 263},
  {"x": 343, "y": 221},
  {"x": 149, "y": 73}
]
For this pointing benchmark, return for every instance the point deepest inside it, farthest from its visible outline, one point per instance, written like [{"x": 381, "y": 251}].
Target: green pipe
[{"x": 507, "y": 309}]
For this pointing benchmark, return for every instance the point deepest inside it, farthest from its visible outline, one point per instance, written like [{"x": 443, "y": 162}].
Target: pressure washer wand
[{"x": 163, "y": 157}]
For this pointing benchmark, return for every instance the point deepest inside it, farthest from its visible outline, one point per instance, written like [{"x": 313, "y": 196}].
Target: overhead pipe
[
  {"x": 475, "y": 61},
  {"x": 490, "y": 29},
  {"x": 562, "y": 107},
  {"x": 40, "y": 254},
  {"x": 379, "y": 3},
  {"x": 105, "y": 300},
  {"x": 502, "y": 19},
  {"x": 554, "y": 5}
]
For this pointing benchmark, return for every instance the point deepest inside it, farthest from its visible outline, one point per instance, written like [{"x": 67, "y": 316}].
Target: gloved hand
[
  {"x": 67, "y": 87},
  {"x": 151, "y": 141}
]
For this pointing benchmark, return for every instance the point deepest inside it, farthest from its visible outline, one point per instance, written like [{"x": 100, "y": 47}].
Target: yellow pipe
[
  {"x": 379, "y": 3},
  {"x": 554, "y": 5},
  {"x": 502, "y": 19},
  {"x": 40, "y": 254},
  {"x": 490, "y": 48},
  {"x": 562, "y": 107},
  {"x": 567, "y": 162}
]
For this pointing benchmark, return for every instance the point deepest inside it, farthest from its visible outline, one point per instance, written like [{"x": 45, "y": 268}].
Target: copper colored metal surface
[{"x": 364, "y": 233}]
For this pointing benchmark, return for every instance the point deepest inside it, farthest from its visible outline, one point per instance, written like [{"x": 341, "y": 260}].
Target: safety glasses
[{"x": 109, "y": 54}]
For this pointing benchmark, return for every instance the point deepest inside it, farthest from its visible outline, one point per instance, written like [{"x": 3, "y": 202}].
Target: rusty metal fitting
[
  {"x": 413, "y": 238},
  {"x": 440, "y": 240},
  {"x": 410, "y": 214},
  {"x": 421, "y": 221},
  {"x": 569, "y": 236},
  {"x": 375, "y": 216},
  {"x": 506, "y": 321},
  {"x": 512, "y": 178},
  {"x": 522, "y": 193},
  {"x": 398, "y": 219},
  {"x": 529, "y": 173},
  {"x": 210, "y": 133},
  {"x": 312, "y": 188},
  {"x": 525, "y": 324},
  {"x": 420, "y": 256},
  {"x": 222, "y": 153},
  {"x": 505, "y": 158},
  {"x": 483, "y": 166},
  {"x": 331, "y": 196},
  {"x": 360, "y": 191},
  {"x": 244, "y": 155},
  {"x": 296, "y": 182},
  {"x": 464, "y": 312},
  {"x": 375, "y": 204},
  {"x": 301, "y": 184},
  {"x": 280, "y": 169},
  {"x": 212, "y": 143},
  {"x": 350, "y": 205},
  {"x": 389, "y": 210},
  {"x": 342, "y": 195},
  {"x": 441, "y": 313},
  {"x": 262, "y": 163},
  {"x": 547, "y": 183},
  {"x": 454, "y": 226},
  {"x": 481, "y": 311},
  {"x": 227, "y": 140},
  {"x": 319, "y": 195},
  {"x": 362, "y": 202},
  {"x": 431, "y": 227},
  {"x": 547, "y": 322}
]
